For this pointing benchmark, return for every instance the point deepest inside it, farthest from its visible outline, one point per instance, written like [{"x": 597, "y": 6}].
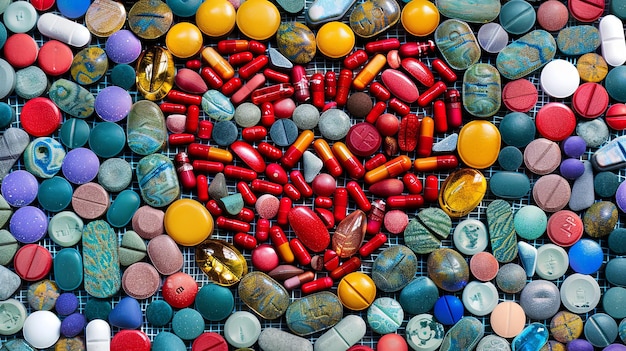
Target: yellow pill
[
  {"x": 462, "y": 191},
  {"x": 258, "y": 19},
  {"x": 356, "y": 291},
  {"x": 335, "y": 39},
  {"x": 216, "y": 18},
  {"x": 420, "y": 17},
  {"x": 592, "y": 67},
  {"x": 188, "y": 222},
  {"x": 479, "y": 144},
  {"x": 184, "y": 40}
]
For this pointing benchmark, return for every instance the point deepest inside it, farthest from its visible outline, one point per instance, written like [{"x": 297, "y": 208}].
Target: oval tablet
[
  {"x": 400, "y": 85},
  {"x": 526, "y": 55},
  {"x": 62, "y": 29},
  {"x": 612, "y": 38},
  {"x": 481, "y": 90},
  {"x": 479, "y": 144}
]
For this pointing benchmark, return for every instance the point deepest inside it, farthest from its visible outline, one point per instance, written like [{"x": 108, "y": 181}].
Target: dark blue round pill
[
  {"x": 574, "y": 146},
  {"x": 283, "y": 132},
  {"x": 66, "y": 304},
  {"x": 73, "y": 325},
  {"x": 224, "y": 133},
  {"x": 448, "y": 309},
  {"x": 572, "y": 168},
  {"x": 586, "y": 256}
]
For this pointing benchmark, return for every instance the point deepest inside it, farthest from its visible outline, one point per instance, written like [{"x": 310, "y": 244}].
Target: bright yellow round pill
[
  {"x": 335, "y": 39},
  {"x": 184, "y": 40},
  {"x": 479, "y": 144},
  {"x": 420, "y": 17},
  {"x": 356, "y": 291},
  {"x": 188, "y": 222},
  {"x": 258, "y": 19},
  {"x": 216, "y": 18}
]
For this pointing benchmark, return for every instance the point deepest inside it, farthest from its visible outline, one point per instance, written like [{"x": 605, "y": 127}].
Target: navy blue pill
[
  {"x": 572, "y": 168},
  {"x": 123, "y": 76},
  {"x": 585, "y": 256},
  {"x": 510, "y": 158},
  {"x": 224, "y": 133},
  {"x": 448, "y": 309},
  {"x": 7, "y": 114},
  {"x": 283, "y": 132}
]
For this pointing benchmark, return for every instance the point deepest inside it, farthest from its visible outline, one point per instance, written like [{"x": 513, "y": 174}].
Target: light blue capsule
[{"x": 532, "y": 338}]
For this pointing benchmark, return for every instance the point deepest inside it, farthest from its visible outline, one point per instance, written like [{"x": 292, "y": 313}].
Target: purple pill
[
  {"x": 67, "y": 303},
  {"x": 572, "y": 168},
  {"x": 620, "y": 196},
  {"x": 123, "y": 47},
  {"x": 73, "y": 325},
  {"x": 28, "y": 224},
  {"x": 80, "y": 166},
  {"x": 19, "y": 188},
  {"x": 574, "y": 146},
  {"x": 615, "y": 347},
  {"x": 113, "y": 103},
  {"x": 579, "y": 345}
]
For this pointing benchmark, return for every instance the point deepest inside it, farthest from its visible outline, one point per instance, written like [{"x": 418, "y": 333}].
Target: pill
[
  {"x": 98, "y": 335},
  {"x": 62, "y": 29},
  {"x": 612, "y": 37}
]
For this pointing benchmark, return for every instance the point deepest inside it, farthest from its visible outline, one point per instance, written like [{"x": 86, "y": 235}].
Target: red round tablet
[
  {"x": 590, "y": 100},
  {"x": 555, "y": 121},
  {"x": 586, "y": 10},
  {"x": 42, "y": 5},
  {"x": 179, "y": 290},
  {"x": 616, "y": 116},
  {"x": 55, "y": 58},
  {"x": 363, "y": 139},
  {"x": 40, "y": 117},
  {"x": 565, "y": 228},
  {"x": 552, "y": 15},
  {"x": 32, "y": 262},
  {"x": 135, "y": 340},
  {"x": 20, "y": 50},
  {"x": 209, "y": 341},
  {"x": 484, "y": 266},
  {"x": 520, "y": 95}
]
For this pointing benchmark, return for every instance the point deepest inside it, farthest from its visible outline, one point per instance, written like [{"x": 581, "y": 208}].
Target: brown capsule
[
  {"x": 284, "y": 272},
  {"x": 390, "y": 146},
  {"x": 349, "y": 234}
]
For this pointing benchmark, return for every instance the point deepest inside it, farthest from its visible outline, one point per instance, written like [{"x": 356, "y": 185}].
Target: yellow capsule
[
  {"x": 369, "y": 72},
  {"x": 221, "y": 262},
  {"x": 155, "y": 73},
  {"x": 462, "y": 191}
]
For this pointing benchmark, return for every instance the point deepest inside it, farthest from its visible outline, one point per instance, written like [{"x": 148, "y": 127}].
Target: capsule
[
  {"x": 417, "y": 49},
  {"x": 240, "y": 58},
  {"x": 231, "y": 86},
  {"x": 256, "y": 47},
  {"x": 232, "y": 46},
  {"x": 431, "y": 188},
  {"x": 232, "y": 224},
  {"x": 317, "y": 285},
  {"x": 207, "y": 166},
  {"x": 193, "y": 119},
  {"x": 349, "y": 266},
  {"x": 369, "y": 72},
  {"x": 262, "y": 230},
  {"x": 169, "y": 107},
  {"x": 202, "y": 188},
  {"x": 272, "y": 93},
  {"x": 276, "y": 76},
  {"x": 412, "y": 183},
  {"x": 211, "y": 78},
  {"x": 348, "y": 161},
  {"x": 254, "y": 133},
  {"x": 376, "y": 216},
  {"x": 218, "y": 63},
  {"x": 436, "y": 163},
  {"x": 389, "y": 169},
  {"x": 378, "y": 109},
  {"x": 207, "y": 152},
  {"x": 281, "y": 243},
  {"x": 379, "y": 91},
  {"x": 418, "y": 70},
  {"x": 300, "y": 252},
  {"x": 267, "y": 114},
  {"x": 431, "y": 94},
  {"x": 194, "y": 64},
  {"x": 373, "y": 244},
  {"x": 295, "y": 151},
  {"x": 178, "y": 139},
  {"x": 355, "y": 60},
  {"x": 297, "y": 179},
  {"x": 185, "y": 171},
  {"x": 214, "y": 208},
  {"x": 399, "y": 107},
  {"x": 439, "y": 115},
  {"x": 236, "y": 172},
  {"x": 253, "y": 67},
  {"x": 383, "y": 45},
  {"x": 266, "y": 187},
  {"x": 331, "y": 163},
  {"x": 323, "y": 202},
  {"x": 245, "y": 241},
  {"x": 445, "y": 72},
  {"x": 292, "y": 192},
  {"x": 377, "y": 160},
  {"x": 330, "y": 85},
  {"x": 269, "y": 151},
  {"x": 341, "y": 204},
  {"x": 247, "y": 89},
  {"x": 343, "y": 87},
  {"x": 283, "y": 211},
  {"x": 426, "y": 137},
  {"x": 358, "y": 195},
  {"x": 298, "y": 280},
  {"x": 300, "y": 83},
  {"x": 246, "y": 215},
  {"x": 249, "y": 198},
  {"x": 405, "y": 202},
  {"x": 205, "y": 129},
  {"x": 317, "y": 90},
  {"x": 454, "y": 112}
]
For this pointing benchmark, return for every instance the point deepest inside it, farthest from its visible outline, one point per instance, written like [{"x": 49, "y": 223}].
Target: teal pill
[
  {"x": 55, "y": 194},
  {"x": 145, "y": 129},
  {"x": 509, "y": 185},
  {"x": 65, "y": 228},
  {"x": 517, "y": 17},
  {"x": 394, "y": 268},
  {"x": 510, "y": 158},
  {"x": 115, "y": 174},
  {"x": 225, "y": 133},
  {"x": 530, "y": 222},
  {"x": 74, "y": 133},
  {"x": 622, "y": 330},
  {"x": 217, "y": 106},
  {"x": 606, "y": 183},
  {"x": 614, "y": 270},
  {"x": 296, "y": 42},
  {"x": 166, "y": 341},
  {"x": 30, "y": 82},
  {"x": 43, "y": 157},
  {"x": 123, "y": 208},
  {"x": 502, "y": 231},
  {"x": 97, "y": 309},
  {"x": 385, "y": 315},
  {"x": 3, "y": 35},
  {"x": 232, "y": 204},
  {"x": 214, "y": 302},
  {"x": 71, "y": 98},
  {"x": 526, "y": 55},
  {"x": 533, "y": 337},
  {"x": 617, "y": 240},
  {"x": 17, "y": 345},
  {"x": 123, "y": 76},
  {"x": 101, "y": 262},
  {"x": 618, "y": 8},
  {"x": 600, "y": 329},
  {"x": 303, "y": 320},
  {"x": 7, "y": 114},
  {"x": 475, "y": 11},
  {"x": 187, "y": 324},
  {"x": 107, "y": 139},
  {"x": 615, "y": 83},
  {"x": 157, "y": 180},
  {"x": 159, "y": 313},
  {"x": 613, "y": 302},
  {"x": 419, "y": 296},
  {"x": 578, "y": 40},
  {"x": 68, "y": 269},
  {"x": 184, "y": 8},
  {"x": 517, "y": 129},
  {"x": 284, "y": 132},
  {"x": 457, "y": 43},
  {"x": 482, "y": 90}
]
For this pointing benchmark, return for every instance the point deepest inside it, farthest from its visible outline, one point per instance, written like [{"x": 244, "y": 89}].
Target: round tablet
[
  {"x": 448, "y": 309},
  {"x": 32, "y": 262},
  {"x": 20, "y": 17},
  {"x": 123, "y": 47},
  {"x": 21, "y": 50},
  {"x": 65, "y": 228},
  {"x": 484, "y": 266},
  {"x": 242, "y": 329},
  {"x": 580, "y": 293},
  {"x": 479, "y": 144},
  {"x": 510, "y": 158},
  {"x": 74, "y": 133},
  {"x": 552, "y": 262},
  {"x": 565, "y": 228},
  {"x": 226, "y": 132},
  {"x": 600, "y": 329},
  {"x": 552, "y": 15},
  {"x": 28, "y": 224},
  {"x": 517, "y": 17},
  {"x": 107, "y": 139},
  {"x": 586, "y": 10},
  {"x": 542, "y": 156},
  {"x": 520, "y": 95},
  {"x": 551, "y": 192},
  {"x": 258, "y": 19},
  {"x": 470, "y": 236},
  {"x": 540, "y": 299},
  {"x": 7, "y": 79},
  {"x": 363, "y": 139},
  {"x": 80, "y": 166},
  {"x": 104, "y": 18},
  {"x": 141, "y": 280},
  {"x": 90, "y": 201},
  {"x": 530, "y": 222},
  {"x": 73, "y": 8},
  {"x": 214, "y": 302},
  {"x": 335, "y": 39},
  {"x": 30, "y": 82},
  {"x": 123, "y": 76},
  {"x": 592, "y": 67},
  {"x": 160, "y": 15},
  {"x": 590, "y": 100},
  {"x": 113, "y": 103},
  {"x": 42, "y": 329},
  {"x": 55, "y": 194},
  {"x": 615, "y": 83},
  {"x": 334, "y": 124},
  {"x": 586, "y": 256},
  {"x": 115, "y": 174},
  {"x": 613, "y": 302},
  {"x": 492, "y": 37},
  {"x": 40, "y": 117},
  {"x": 420, "y": 17},
  {"x": 184, "y": 40},
  {"x": 480, "y": 298},
  {"x": 508, "y": 319},
  {"x": 424, "y": 333},
  {"x": 55, "y": 58},
  {"x": 216, "y": 18},
  {"x": 559, "y": 78},
  {"x": 182, "y": 212}
]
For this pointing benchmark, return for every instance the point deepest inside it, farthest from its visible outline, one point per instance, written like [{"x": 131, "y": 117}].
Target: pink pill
[
  {"x": 264, "y": 258},
  {"x": 395, "y": 221},
  {"x": 267, "y": 206},
  {"x": 324, "y": 185}
]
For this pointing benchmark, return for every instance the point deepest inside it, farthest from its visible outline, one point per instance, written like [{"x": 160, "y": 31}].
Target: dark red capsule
[
  {"x": 255, "y": 133},
  {"x": 343, "y": 87},
  {"x": 431, "y": 188},
  {"x": 181, "y": 97},
  {"x": 431, "y": 94},
  {"x": 374, "y": 243},
  {"x": 418, "y": 70},
  {"x": 267, "y": 114},
  {"x": 331, "y": 260},
  {"x": 283, "y": 211},
  {"x": 245, "y": 215},
  {"x": 378, "y": 109},
  {"x": 185, "y": 171},
  {"x": 399, "y": 107},
  {"x": 263, "y": 186},
  {"x": 245, "y": 241},
  {"x": 300, "y": 252},
  {"x": 232, "y": 224},
  {"x": 249, "y": 198},
  {"x": 383, "y": 45},
  {"x": 272, "y": 93},
  {"x": 377, "y": 160},
  {"x": 300, "y": 83},
  {"x": 256, "y": 47},
  {"x": 379, "y": 91},
  {"x": 276, "y": 76},
  {"x": 205, "y": 166},
  {"x": 193, "y": 119},
  {"x": 303, "y": 187},
  {"x": 376, "y": 216},
  {"x": 323, "y": 202},
  {"x": 349, "y": 266},
  {"x": 405, "y": 201},
  {"x": 454, "y": 111},
  {"x": 253, "y": 67},
  {"x": 291, "y": 191},
  {"x": 262, "y": 232},
  {"x": 317, "y": 285},
  {"x": 445, "y": 72},
  {"x": 168, "y": 107},
  {"x": 358, "y": 195},
  {"x": 240, "y": 58},
  {"x": 355, "y": 60},
  {"x": 178, "y": 139},
  {"x": 417, "y": 49},
  {"x": 330, "y": 85},
  {"x": 202, "y": 188},
  {"x": 214, "y": 208},
  {"x": 269, "y": 151},
  {"x": 317, "y": 90},
  {"x": 412, "y": 183},
  {"x": 341, "y": 204},
  {"x": 236, "y": 172},
  {"x": 211, "y": 78},
  {"x": 230, "y": 87},
  {"x": 194, "y": 64},
  {"x": 440, "y": 117}
]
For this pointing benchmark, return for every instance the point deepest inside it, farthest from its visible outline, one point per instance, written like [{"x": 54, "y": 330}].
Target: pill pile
[{"x": 312, "y": 175}]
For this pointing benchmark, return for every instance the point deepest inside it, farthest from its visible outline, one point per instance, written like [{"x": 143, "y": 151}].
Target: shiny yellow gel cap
[
  {"x": 479, "y": 144},
  {"x": 184, "y": 40},
  {"x": 188, "y": 222},
  {"x": 258, "y": 19},
  {"x": 216, "y": 18},
  {"x": 420, "y": 17},
  {"x": 335, "y": 39}
]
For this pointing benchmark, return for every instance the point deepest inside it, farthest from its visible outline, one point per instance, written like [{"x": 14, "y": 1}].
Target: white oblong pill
[
  {"x": 62, "y": 29},
  {"x": 612, "y": 37},
  {"x": 98, "y": 335}
]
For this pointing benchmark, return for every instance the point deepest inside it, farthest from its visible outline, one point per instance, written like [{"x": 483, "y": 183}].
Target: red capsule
[
  {"x": 249, "y": 155},
  {"x": 181, "y": 97},
  {"x": 343, "y": 87},
  {"x": 379, "y": 91},
  {"x": 377, "y": 160},
  {"x": 281, "y": 243},
  {"x": 202, "y": 188},
  {"x": 243, "y": 93},
  {"x": 326, "y": 216},
  {"x": 244, "y": 241},
  {"x": 358, "y": 195},
  {"x": 193, "y": 119},
  {"x": 341, "y": 204},
  {"x": 431, "y": 188},
  {"x": 283, "y": 211},
  {"x": 178, "y": 139},
  {"x": 426, "y": 137},
  {"x": 272, "y": 93},
  {"x": 436, "y": 163},
  {"x": 303, "y": 187},
  {"x": 351, "y": 265},
  {"x": 376, "y": 111},
  {"x": 298, "y": 280},
  {"x": 374, "y": 243},
  {"x": 255, "y": 133},
  {"x": 431, "y": 94},
  {"x": 262, "y": 231},
  {"x": 439, "y": 115},
  {"x": 302, "y": 254},
  {"x": 231, "y": 86},
  {"x": 418, "y": 70},
  {"x": 454, "y": 112},
  {"x": 276, "y": 76},
  {"x": 331, "y": 162},
  {"x": 292, "y": 192},
  {"x": 246, "y": 193},
  {"x": 375, "y": 217},
  {"x": 205, "y": 129},
  {"x": 263, "y": 186},
  {"x": 211, "y": 78},
  {"x": 253, "y": 67},
  {"x": 412, "y": 183},
  {"x": 330, "y": 85},
  {"x": 348, "y": 161},
  {"x": 168, "y": 107},
  {"x": 205, "y": 166},
  {"x": 405, "y": 201},
  {"x": 245, "y": 215},
  {"x": 236, "y": 172},
  {"x": 232, "y": 46},
  {"x": 269, "y": 151},
  {"x": 194, "y": 64},
  {"x": 232, "y": 224},
  {"x": 317, "y": 285},
  {"x": 214, "y": 208},
  {"x": 275, "y": 173},
  {"x": 300, "y": 83},
  {"x": 399, "y": 107},
  {"x": 185, "y": 171},
  {"x": 296, "y": 150},
  {"x": 383, "y": 45},
  {"x": 317, "y": 90},
  {"x": 355, "y": 60},
  {"x": 267, "y": 114},
  {"x": 240, "y": 58},
  {"x": 323, "y": 202},
  {"x": 417, "y": 49},
  {"x": 256, "y": 47},
  {"x": 445, "y": 72}
]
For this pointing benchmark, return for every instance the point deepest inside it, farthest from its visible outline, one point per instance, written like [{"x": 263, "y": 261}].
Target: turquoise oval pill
[
  {"x": 385, "y": 315},
  {"x": 304, "y": 320},
  {"x": 615, "y": 269},
  {"x": 145, "y": 128},
  {"x": 419, "y": 296},
  {"x": 217, "y": 106},
  {"x": 526, "y": 55},
  {"x": 533, "y": 337},
  {"x": 74, "y": 133},
  {"x": 3, "y": 35},
  {"x": 530, "y": 222},
  {"x": 107, "y": 139},
  {"x": 43, "y": 157},
  {"x": 613, "y": 302},
  {"x": 457, "y": 43},
  {"x": 510, "y": 158},
  {"x": 123, "y": 76},
  {"x": 214, "y": 302},
  {"x": 101, "y": 263},
  {"x": 123, "y": 208},
  {"x": 68, "y": 269},
  {"x": 55, "y": 194},
  {"x": 187, "y": 324},
  {"x": 517, "y": 17},
  {"x": 509, "y": 185},
  {"x": 464, "y": 335},
  {"x": 157, "y": 179},
  {"x": 482, "y": 90},
  {"x": 166, "y": 341}
]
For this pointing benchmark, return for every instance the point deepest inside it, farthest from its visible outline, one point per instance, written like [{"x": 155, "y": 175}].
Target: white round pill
[
  {"x": 559, "y": 79},
  {"x": 42, "y": 329}
]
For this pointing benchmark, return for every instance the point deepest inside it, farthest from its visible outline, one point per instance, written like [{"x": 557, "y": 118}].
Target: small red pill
[
  {"x": 440, "y": 117},
  {"x": 454, "y": 111},
  {"x": 210, "y": 341},
  {"x": 232, "y": 46},
  {"x": 292, "y": 192},
  {"x": 192, "y": 121},
  {"x": 265, "y": 258},
  {"x": 262, "y": 231},
  {"x": 376, "y": 111},
  {"x": 202, "y": 188},
  {"x": 399, "y": 107},
  {"x": 379, "y": 91},
  {"x": 393, "y": 59},
  {"x": 207, "y": 166},
  {"x": 445, "y": 72},
  {"x": 256, "y": 47},
  {"x": 405, "y": 201},
  {"x": 255, "y": 133},
  {"x": 244, "y": 241},
  {"x": 214, "y": 208},
  {"x": 408, "y": 132},
  {"x": 181, "y": 97},
  {"x": 237, "y": 172},
  {"x": 253, "y": 67},
  {"x": 300, "y": 83},
  {"x": 231, "y": 86},
  {"x": 276, "y": 76},
  {"x": 374, "y": 243},
  {"x": 418, "y": 70},
  {"x": 431, "y": 94},
  {"x": 331, "y": 260},
  {"x": 377, "y": 160},
  {"x": 376, "y": 216},
  {"x": 343, "y": 87},
  {"x": 412, "y": 183},
  {"x": 355, "y": 60},
  {"x": 179, "y": 290},
  {"x": 323, "y": 202},
  {"x": 417, "y": 49},
  {"x": 168, "y": 107},
  {"x": 324, "y": 184},
  {"x": 616, "y": 116},
  {"x": 270, "y": 151},
  {"x": 246, "y": 215},
  {"x": 326, "y": 216},
  {"x": 341, "y": 204},
  {"x": 388, "y": 124},
  {"x": 349, "y": 266},
  {"x": 249, "y": 198},
  {"x": 298, "y": 180},
  {"x": 240, "y": 58},
  {"x": 358, "y": 195},
  {"x": 317, "y": 285},
  {"x": 205, "y": 129},
  {"x": 267, "y": 114},
  {"x": 135, "y": 340},
  {"x": 194, "y": 64},
  {"x": 330, "y": 85},
  {"x": 283, "y": 211},
  {"x": 300, "y": 252},
  {"x": 249, "y": 155},
  {"x": 383, "y": 45},
  {"x": 184, "y": 169},
  {"x": 317, "y": 90},
  {"x": 431, "y": 188},
  {"x": 232, "y": 224},
  {"x": 211, "y": 78}
]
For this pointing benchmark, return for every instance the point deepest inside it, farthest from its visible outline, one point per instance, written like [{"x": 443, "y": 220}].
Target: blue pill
[
  {"x": 73, "y": 325},
  {"x": 574, "y": 146},
  {"x": 585, "y": 256},
  {"x": 73, "y": 8},
  {"x": 283, "y": 132},
  {"x": 572, "y": 168},
  {"x": 533, "y": 337},
  {"x": 224, "y": 133},
  {"x": 184, "y": 8},
  {"x": 448, "y": 309},
  {"x": 67, "y": 303},
  {"x": 3, "y": 35},
  {"x": 7, "y": 114}
]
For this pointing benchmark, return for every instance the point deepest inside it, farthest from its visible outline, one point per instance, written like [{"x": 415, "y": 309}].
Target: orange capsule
[
  {"x": 281, "y": 244},
  {"x": 369, "y": 72},
  {"x": 426, "y": 137},
  {"x": 295, "y": 151},
  {"x": 326, "y": 154},
  {"x": 349, "y": 162},
  {"x": 349, "y": 266},
  {"x": 218, "y": 63},
  {"x": 436, "y": 163},
  {"x": 389, "y": 169}
]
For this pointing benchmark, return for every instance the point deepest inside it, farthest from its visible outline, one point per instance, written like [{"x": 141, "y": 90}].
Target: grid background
[{"x": 319, "y": 64}]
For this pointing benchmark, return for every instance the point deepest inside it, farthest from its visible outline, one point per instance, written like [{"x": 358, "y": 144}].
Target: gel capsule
[
  {"x": 454, "y": 112},
  {"x": 417, "y": 49},
  {"x": 405, "y": 201},
  {"x": 330, "y": 85},
  {"x": 369, "y": 72},
  {"x": 253, "y": 67},
  {"x": 298, "y": 180},
  {"x": 379, "y": 92},
  {"x": 317, "y": 90},
  {"x": 436, "y": 163},
  {"x": 431, "y": 94},
  {"x": 218, "y": 63},
  {"x": 300, "y": 83},
  {"x": 431, "y": 188},
  {"x": 341, "y": 203},
  {"x": 412, "y": 183},
  {"x": 343, "y": 87},
  {"x": 358, "y": 195},
  {"x": 349, "y": 266},
  {"x": 317, "y": 285},
  {"x": 295, "y": 151},
  {"x": 374, "y": 243},
  {"x": 389, "y": 169},
  {"x": 354, "y": 168},
  {"x": 383, "y": 45},
  {"x": 355, "y": 60},
  {"x": 328, "y": 157},
  {"x": 281, "y": 243},
  {"x": 300, "y": 252}
]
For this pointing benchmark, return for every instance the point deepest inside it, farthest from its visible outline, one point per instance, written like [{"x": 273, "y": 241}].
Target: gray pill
[
  {"x": 540, "y": 299},
  {"x": 273, "y": 339},
  {"x": 492, "y": 37}
]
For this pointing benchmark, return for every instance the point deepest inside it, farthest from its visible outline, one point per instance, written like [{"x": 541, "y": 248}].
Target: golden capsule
[
  {"x": 221, "y": 262},
  {"x": 155, "y": 73},
  {"x": 462, "y": 191}
]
